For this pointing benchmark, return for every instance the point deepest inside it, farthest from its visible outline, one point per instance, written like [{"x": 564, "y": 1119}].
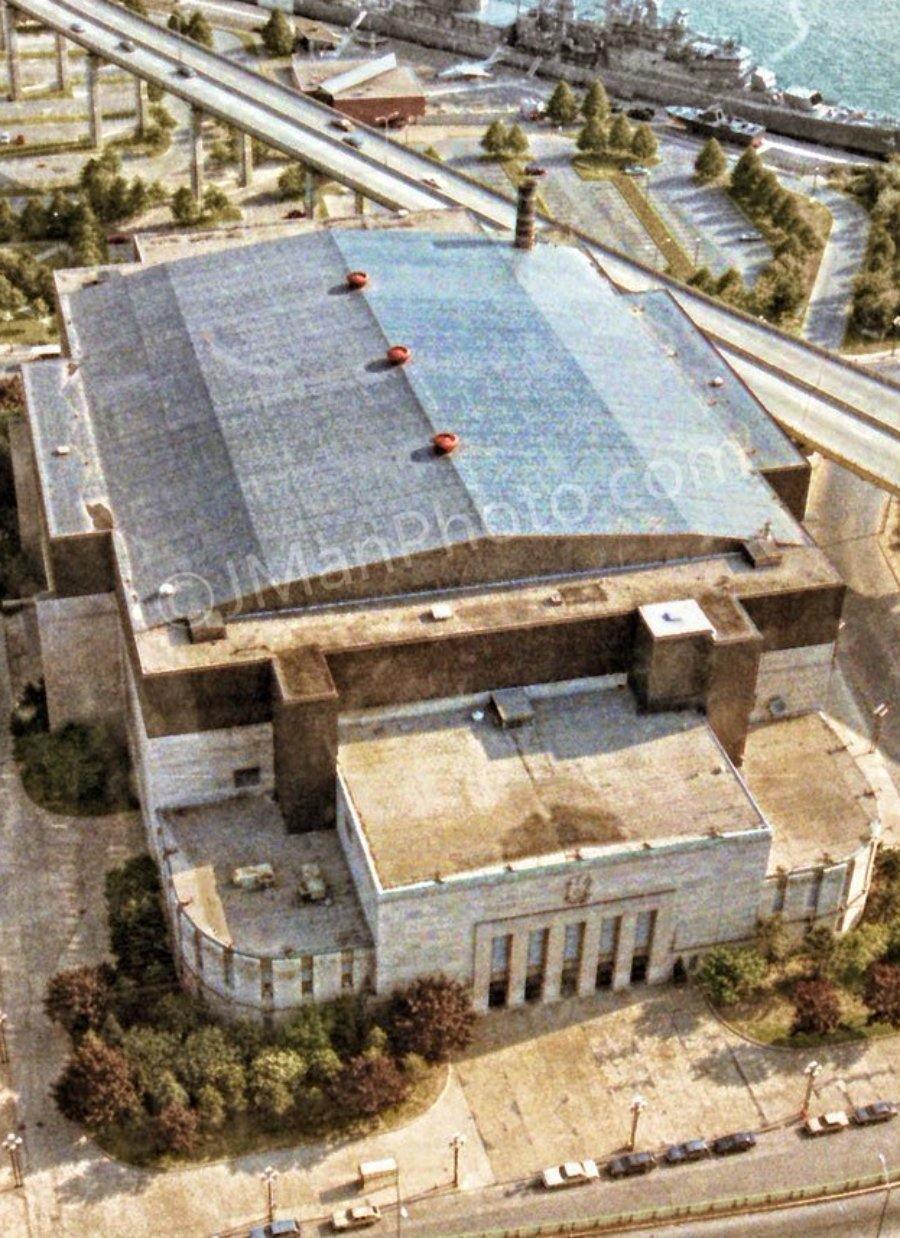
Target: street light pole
[
  {"x": 879, "y": 713},
  {"x": 4, "y": 1046},
  {"x": 457, "y": 1143},
  {"x": 269, "y": 1177},
  {"x": 811, "y": 1071},
  {"x": 887, "y": 1194},
  {"x": 638, "y": 1104},
  {"x": 13, "y": 1145}
]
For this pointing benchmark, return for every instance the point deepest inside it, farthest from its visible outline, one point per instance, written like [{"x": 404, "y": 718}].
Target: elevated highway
[{"x": 851, "y": 416}]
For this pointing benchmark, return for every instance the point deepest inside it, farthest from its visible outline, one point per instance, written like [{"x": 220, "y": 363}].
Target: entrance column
[
  {"x": 246, "y": 160},
  {"x": 62, "y": 64},
  {"x": 624, "y": 952},
  {"x": 359, "y": 202},
  {"x": 309, "y": 192},
  {"x": 140, "y": 106},
  {"x": 95, "y": 114},
  {"x": 515, "y": 994},
  {"x": 590, "y": 948},
  {"x": 196, "y": 153},
  {"x": 553, "y": 963},
  {"x": 13, "y": 64}
]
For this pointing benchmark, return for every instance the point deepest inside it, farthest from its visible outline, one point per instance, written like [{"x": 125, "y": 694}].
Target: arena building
[{"x": 514, "y": 637}]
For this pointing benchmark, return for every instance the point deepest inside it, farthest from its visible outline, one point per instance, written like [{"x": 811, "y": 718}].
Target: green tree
[
  {"x": 80, "y": 998},
  {"x": 199, "y": 29},
  {"x": 711, "y": 163},
  {"x": 151, "y": 1053},
  {"x": 96, "y": 1087},
  {"x": 274, "y": 1081},
  {"x": 592, "y": 137},
  {"x": 278, "y": 35},
  {"x": 882, "y": 993},
  {"x": 856, "y": 951},
  {"x": 771, "y": 938},
  {"x": 139, "y": 936},
  {"x": 817, "y": 1007},
  {"x": 495, "y": 138},
  {"x": 730, "y": 287},
  {"x": 620, "y": 132},
  {"x": 12, "y": 299},
  {"x": 728, "y": 973},
  {"x": 818, "y": 946},
  {"x": 216, "y": 206},
  {"x": 562, "y": 106},
  {"x": 211, "y": 1108},
  {"x": 185, "y": 210},
  {"x": 746, "y": 173},
  {"x": 644, "y": 145},
  {"x": 517, "y": 142},
  {"x": 33, "y": 220},
  {"x": 209, "y": 1058},
  {"x": 595, "y": 104},
  {"x": 8, "y": 222},
  {"x": 292, "y": 182},
  {"x": 432, "y": 1017}
]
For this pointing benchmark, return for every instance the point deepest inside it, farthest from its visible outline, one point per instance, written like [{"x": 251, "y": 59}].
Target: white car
[
  {"x": 357, "y": 1216},
  {"x": 5, "y": 138},
  {"x": 572, "y": 1173},
  {"x": 827, "y": 1123}
]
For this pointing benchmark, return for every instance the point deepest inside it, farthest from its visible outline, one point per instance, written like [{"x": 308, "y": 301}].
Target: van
[{"x": 377, "y": 1173}]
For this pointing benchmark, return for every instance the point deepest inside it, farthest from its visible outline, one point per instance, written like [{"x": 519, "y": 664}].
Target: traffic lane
[
  {"x": 781, "y": 1160},
  {"x": 840, "y": 1218}
]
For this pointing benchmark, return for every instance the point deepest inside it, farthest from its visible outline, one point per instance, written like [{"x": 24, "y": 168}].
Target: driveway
[{"x": 829, "y": 302}]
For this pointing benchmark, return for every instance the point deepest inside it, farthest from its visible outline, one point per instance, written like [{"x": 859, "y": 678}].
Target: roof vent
[
  {"x": 398, "y": 354},
  {"x": 357, "y": 279},
  {"x": 166, "y": 589},
  {"x": 445, "y": 442},
  {"x": 718, "y": 381},
  {"x": 441, "y": 611},
  {"x": 61, "y": 449}
]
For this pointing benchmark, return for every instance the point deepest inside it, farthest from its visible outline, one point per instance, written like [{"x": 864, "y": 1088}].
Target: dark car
[
  {"x": 740, "y": 1141},
  {"x": 631, "y": 1163},
  {"x": 126, "y": 45},
  {"x": 641, "y": 113},
  {"x": 276, "y": 1229},
  {"x": 184, "y": 70},
  {"x": 878, "y": 1111},
  {"x": 692, "y": 1150}
]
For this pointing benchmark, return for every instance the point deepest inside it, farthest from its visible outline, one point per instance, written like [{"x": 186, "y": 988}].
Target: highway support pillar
[
  {"x": 2, "y": 25},
  {"x": 13, "y": 64},
  {"x": 359, "y": 202},
  {"x": 95, "y": 113},
  {"x": 196, "y": 153},
  {"x": 309, "y": 193},
  {"x": 62, "y": 64},
  {"x": 246, "y": 160},
  {"x": 140, "y": 106}
]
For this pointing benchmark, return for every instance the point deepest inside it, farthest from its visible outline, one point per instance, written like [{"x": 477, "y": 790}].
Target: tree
[
  {"x": 592, "y": 138},
  {"x": 595, "y": 104},
  {"x": 730, "y": 287},
  {"x": 516, "y": 142},
  {"x": 779, "y": 291},
  {"x": 177, "y": 1130},
  {"x": 728, "y": 973},
  {"x": 644, "y": 144},
  {"x": 185, "y": 210},
  {"x": 432, "y": 1016},
  {"x": 818, "y": 947},
  {"x": 274, "y": 1080},
  {"x": 856, "y": 951},
  {"x": 278, "y": 35},
  {"x": 620, "y": 132},
  {"x": 367, "y": 1085},
  {"x": 711, "y": 163},
  {"x": 495, "y": 138},
  {"x": 292, "y": 182},
  {"x": 211, "y": 1108},
  {"x": 817, "y": 1007},
  {"x": 150, "y": 1052},
  {"x": 80, "y": 998},
  {"x": 199, "y": 29},
  {"x": 96, "y": 1087},
  {"x": 882, "y": 993},
  {"x": 771, "y": 938},
  {"x": 562, "y": 106},
  {"x": 138, "y": 933},
  {"x": 12, "y": 299},
  {"x": 8, "y": 222},
  {"x": 746, "y": 173},
  {"x": 209, "y": 1057},
  {"x": 33, "y": 220}
]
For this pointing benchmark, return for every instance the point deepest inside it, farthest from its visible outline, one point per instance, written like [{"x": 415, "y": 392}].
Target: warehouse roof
[{"x": 243, "y": 410}]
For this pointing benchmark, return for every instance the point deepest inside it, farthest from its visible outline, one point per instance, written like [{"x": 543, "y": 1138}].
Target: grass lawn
[
  {"x": 606, "y": 166},
  {"x": 28, "y": 331},
  {"x": 246, "y": 1134}
]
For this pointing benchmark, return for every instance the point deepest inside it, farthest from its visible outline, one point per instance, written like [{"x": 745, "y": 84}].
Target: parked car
[
  {"x": 692, "y": 1150},
  {"x": 76, "y": 27},
  {"x": 125, "y": 45},
  {"x": 878, "y": 1111},
  {"x": 635, "y": 169},
  {"x": 5, "y": 138},
  {"x": 353, "y": 140},
  {"x": 740, "y": 1141},
  {"x": 826, "y": 1123},
  {"x": 312, "y": 887},
  {"x": 276, "y": 1229},
  {"x": 357, "y": 1216},
  {"x": 341, "y": 122},
  {"x": 630, "y": 1164},
  {"x": 572, "y": 1173},
  {"x": 747, "y": 238},
  {"x": 641, "y": 113},
  {"x": 184, "y": 70}
]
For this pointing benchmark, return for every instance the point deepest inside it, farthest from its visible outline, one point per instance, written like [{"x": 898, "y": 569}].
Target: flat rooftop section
[
  {"x": 243, "y": 410},
  {"x": 214, "y": 839},
  {"x": 811, "y": 790},
  {"x": 447, "y": 792}
]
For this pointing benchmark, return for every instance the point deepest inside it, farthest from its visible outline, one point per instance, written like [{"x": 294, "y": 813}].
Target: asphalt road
[
  {"x": 829, "y": 302},
  {"x": 859, "y": 1217}
]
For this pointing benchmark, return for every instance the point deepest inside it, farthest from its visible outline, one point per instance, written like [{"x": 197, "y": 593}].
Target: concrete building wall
[
  {"x": 359, "y": 861},
  {"x": 201, "y": 768},
  {"x": 82, "y": 659},
  {"x": 833, "y": 893},
  {"x": 800, "y": 677},
  {"x": 442, "y": 926},
  {"x": 28, "y": 499}
]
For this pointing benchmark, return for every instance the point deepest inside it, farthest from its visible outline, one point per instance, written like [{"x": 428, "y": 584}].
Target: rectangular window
[
  {"x": 250, "y": 777},
  {"x": 346, "y": 969},
  {"x": 812, "y": 893},
  {"x": 606, "y": 957},
  {"x": 848, "y": 882},
  {"x": 536, "y": 961},
  {"x": 498, "y": 987},
  {"x": 643, "y": 944},
  {"x": 572, "y": 947},
  {"x": 306, "y": 975},
  {"x": 778, "y": 900}
]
